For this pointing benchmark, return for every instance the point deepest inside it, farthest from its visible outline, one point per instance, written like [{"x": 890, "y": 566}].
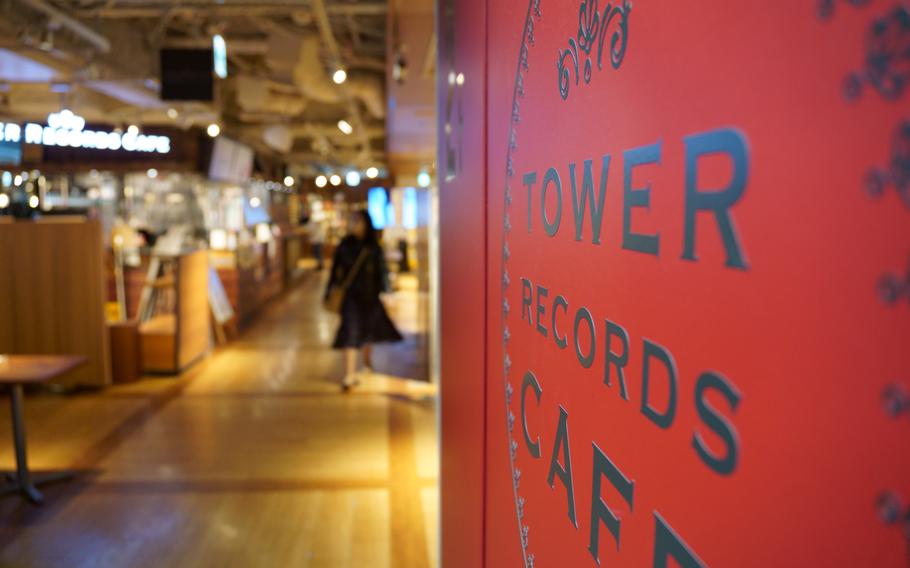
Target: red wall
[
  {"x": 749, "y": 278},
  {"x": 460, "y": 169}
]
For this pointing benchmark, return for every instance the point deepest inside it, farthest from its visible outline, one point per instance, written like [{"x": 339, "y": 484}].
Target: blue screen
[
  {"x": 409, "y": 208},
  {"x": 379, "y": 208}
]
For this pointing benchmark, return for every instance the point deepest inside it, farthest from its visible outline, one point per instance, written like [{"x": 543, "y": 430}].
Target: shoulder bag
[{"x": 335, "y": 298}]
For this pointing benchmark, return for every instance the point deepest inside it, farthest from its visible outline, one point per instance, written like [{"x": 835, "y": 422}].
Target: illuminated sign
[
  {"x": 219, "y": 50},
  {"x": 66, "y": 129}
]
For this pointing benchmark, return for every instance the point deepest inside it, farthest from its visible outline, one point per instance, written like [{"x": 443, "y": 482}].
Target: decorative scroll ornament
[
  {"x": 887, "y": 63},
  {"x": 894, "y": 287},
  {"x": 826, "y": 7},
  {"x": 897, "y": 173},
  {"x": 592, "y": 29}
]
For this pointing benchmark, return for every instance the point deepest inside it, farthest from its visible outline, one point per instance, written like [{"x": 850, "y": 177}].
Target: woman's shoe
[{"x": 349, "y": 382}]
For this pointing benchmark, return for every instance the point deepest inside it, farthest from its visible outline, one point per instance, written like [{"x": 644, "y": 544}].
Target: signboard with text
[{"x": 699, "y": 283}]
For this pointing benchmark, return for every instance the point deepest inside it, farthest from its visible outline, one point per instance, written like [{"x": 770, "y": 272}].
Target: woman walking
[{"x": 359, "y": 275}]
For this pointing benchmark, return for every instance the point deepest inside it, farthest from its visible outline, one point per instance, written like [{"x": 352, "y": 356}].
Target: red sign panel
[{"x": 700, "y": 298}]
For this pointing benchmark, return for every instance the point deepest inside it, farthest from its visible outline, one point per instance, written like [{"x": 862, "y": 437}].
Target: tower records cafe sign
[
  {"x": 66, "y": 129},
  {"x": 702, "y": 242}
]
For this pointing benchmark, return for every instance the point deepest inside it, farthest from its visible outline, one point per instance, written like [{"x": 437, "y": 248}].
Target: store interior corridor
[{"x": 252, "y": 457}]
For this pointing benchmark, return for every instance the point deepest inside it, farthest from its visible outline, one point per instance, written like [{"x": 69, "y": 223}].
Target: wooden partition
[
  {"x": 173, "y": 341},
  {"x": 52, "y": 294}
]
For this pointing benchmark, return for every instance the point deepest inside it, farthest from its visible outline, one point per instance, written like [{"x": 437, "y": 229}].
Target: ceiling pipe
[
  {"x": 72, "y": 24},
  {"x": 328, "y": 37}
]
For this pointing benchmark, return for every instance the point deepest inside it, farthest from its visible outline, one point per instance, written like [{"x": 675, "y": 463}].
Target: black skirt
[{"x": 364, "y": 323}]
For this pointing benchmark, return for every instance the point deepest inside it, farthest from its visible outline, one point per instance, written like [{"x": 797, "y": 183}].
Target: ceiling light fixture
[
  {"x": 288, "y": 181},
  {"x": 372, "y": 172},
  {"x": 335, "y": 179},
  {"x": 213, "y": 130},
  {"x": 352, "y": 178},
  {"x": 345, "y": 126},
  {"x": 321, "y": 181},
  {"x": 423, "y": 179},
  {"x": 339, "y": 76}
]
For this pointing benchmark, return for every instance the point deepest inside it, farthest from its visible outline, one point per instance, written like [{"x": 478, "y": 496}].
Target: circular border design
[{"x": 527, "y": 41}]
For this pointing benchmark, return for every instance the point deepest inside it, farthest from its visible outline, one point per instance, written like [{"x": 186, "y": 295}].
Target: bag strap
[{"x": 358, "y": 264}]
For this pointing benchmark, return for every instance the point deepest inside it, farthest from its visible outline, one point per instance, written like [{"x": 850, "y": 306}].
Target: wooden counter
[{"x": 250, "y": 278}]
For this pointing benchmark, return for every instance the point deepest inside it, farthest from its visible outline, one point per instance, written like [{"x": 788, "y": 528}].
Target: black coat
[{"x": 363, "y": 317}]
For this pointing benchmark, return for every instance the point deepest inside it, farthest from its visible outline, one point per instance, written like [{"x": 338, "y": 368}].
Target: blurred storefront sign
[{"x": 66, "y": 129}]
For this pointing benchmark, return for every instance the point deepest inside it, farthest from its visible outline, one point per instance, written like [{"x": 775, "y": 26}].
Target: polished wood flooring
[{"x": 251, "y": 458}]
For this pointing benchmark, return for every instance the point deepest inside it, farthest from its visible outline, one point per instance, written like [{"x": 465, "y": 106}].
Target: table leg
[{"x": 24, "y": 480}]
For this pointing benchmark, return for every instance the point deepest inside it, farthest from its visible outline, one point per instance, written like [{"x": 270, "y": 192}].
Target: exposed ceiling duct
[
  {"x": 79, "y": 29},
  {"x": 310, "y": 75},
  {"x": 259, "y": 95},
  {"x": 368, "y": 89},
  {"x": 279, "y": 96}
]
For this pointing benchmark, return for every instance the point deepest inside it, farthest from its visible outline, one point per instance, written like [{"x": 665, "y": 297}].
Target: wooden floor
[{"x": 251, "y": 458}]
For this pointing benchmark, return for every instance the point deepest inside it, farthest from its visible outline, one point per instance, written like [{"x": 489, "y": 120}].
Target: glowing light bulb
[
  {"x": 372, "y": 172},
  {"x": 345, "y": 126},
  {"x": 288, "y": 181},
  {"x": 213, "y": 130},
  {"x": 339, "y": 76},
  {"x": 335, "y": 179},
  {"x": 152, "y": 173},
  {"x": 352, "y": 178},
  {"x": 423, "y": 179},
  {"x": 33, "y": 202},
  {"x": 4, "y": 201}
]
